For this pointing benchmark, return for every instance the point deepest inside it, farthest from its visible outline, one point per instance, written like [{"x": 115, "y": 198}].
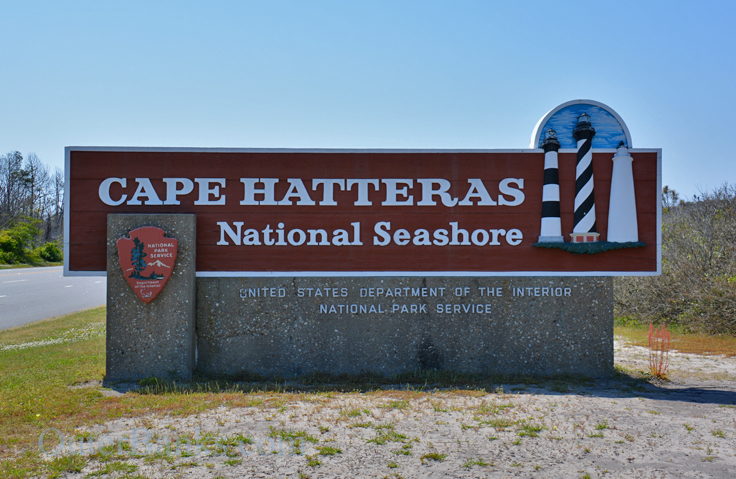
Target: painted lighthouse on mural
[{"x": 584, "y": 126}]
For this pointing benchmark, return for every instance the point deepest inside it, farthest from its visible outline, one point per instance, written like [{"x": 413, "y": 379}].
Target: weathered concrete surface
[
  {"x": 154, "y": 339},
  {"x": 289, "y": 336}
]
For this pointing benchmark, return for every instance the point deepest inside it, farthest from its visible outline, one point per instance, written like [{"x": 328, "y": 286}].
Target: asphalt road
[{"x": 31, "y": 294}]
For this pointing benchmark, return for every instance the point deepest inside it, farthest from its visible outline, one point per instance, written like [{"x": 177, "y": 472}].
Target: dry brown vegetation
[
  {"x": 684, "y": 342},
  {"x": 697, "y": 289}
]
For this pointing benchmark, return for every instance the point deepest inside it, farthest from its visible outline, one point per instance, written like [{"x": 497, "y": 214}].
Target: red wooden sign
[
  {"x": 147, "y": 258},
  {"x": 357, "y": 212}
]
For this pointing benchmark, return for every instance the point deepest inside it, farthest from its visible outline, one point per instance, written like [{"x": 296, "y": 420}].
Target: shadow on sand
[{"x": 619, "y": 385}]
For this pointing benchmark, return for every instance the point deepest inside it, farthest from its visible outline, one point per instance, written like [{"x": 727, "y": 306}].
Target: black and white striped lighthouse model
[
  {"x": 551, "y": 229},
  {"x": 584, "y": 227}
]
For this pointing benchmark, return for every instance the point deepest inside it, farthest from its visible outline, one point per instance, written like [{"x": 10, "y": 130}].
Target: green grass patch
[
  {"x": 290, "y": 436},
  {"x": 499, "y": 424},
  {"x": 493, "y": 409},
  {"x": 59, "y": 466},
  {"x": 235, "y": 440},
  {"x": 476, "y": 462},
  {"x": 328, "y": 451},
  {"x": 354, "y": 412},
  {"x": 529, "y": 430},
  {"x": 361, "y": 424},
  {"x": 113, "y": 467},
  {"x": 405, "y": 450},
  {"x": 26, "y": 265},
  {"x": 386, "y": 433},
  {"x": 399, "y": 404},
  {"x": 38, "y": 363},
  {"x": 433, "y": 456}
]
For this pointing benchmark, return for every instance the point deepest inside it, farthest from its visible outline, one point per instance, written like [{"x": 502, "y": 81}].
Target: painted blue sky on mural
[{"x": 608, "y": 131}]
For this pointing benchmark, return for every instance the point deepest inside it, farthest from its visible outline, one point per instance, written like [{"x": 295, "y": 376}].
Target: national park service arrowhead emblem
[{"x": 147, "y": 259}]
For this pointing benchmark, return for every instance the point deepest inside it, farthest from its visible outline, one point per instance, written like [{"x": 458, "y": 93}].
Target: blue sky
[{"x": 357, "y": 74}]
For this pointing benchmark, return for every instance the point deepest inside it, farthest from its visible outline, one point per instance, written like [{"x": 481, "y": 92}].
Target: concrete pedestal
[
  {"x": 154, "y": 339},
  {"x": 280, "y": 327}
]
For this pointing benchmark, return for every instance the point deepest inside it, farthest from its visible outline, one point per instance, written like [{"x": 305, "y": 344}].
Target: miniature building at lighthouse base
[{"x": 589, "y": 237}]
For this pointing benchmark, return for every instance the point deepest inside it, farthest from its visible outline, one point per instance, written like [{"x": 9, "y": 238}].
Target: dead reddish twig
[{"x": 659, "y": 351}]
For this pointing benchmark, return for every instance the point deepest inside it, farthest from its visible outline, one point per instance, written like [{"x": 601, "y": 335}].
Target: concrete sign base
[
  {"x": 286, "y": 327},
  {"x": 156, "y": 338}
]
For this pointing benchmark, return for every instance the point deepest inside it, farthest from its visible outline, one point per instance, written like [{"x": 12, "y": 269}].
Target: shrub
[
  {"x": 697, "y": 288},
  {"x": 11, "y": 250},
  {"x": 16, "y": 242},
  {"x": 7, "y": 258},
  {"x": 49, "y": 252}
]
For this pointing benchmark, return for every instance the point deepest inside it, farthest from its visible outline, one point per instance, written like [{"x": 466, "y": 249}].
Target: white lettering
[
  {"x": 173, "y": 191},
  {"x": 436, "y": 187},
  {"x": 516, "y": 194},
  {"x": 209, "y": 191},
  {"x": 104, "y": 191}
]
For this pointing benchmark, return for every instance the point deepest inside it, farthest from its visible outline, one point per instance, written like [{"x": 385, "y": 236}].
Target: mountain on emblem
[{"x": 147, "y": 258}]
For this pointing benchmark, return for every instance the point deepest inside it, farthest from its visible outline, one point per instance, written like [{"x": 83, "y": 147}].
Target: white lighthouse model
[{"x": 622, "y": 226}]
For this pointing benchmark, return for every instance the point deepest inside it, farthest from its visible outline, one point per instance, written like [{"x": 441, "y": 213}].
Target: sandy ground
[{"x": 685, "y": 428}]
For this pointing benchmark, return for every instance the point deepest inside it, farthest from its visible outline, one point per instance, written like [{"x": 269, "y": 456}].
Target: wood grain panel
[{"x": 87, "y": 213}]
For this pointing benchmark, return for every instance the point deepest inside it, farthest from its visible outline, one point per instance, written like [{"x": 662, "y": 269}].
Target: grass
[
  {"x": 290, "y": 436},
  {"x": 26, "y": 265},
  {"x": 354, "y": 412},
  {"x": 328, "y": 451},
  {"x": 386, "y": 433},
  {"x": 398, "y": 404},
  {"x": 499, "y": 424},
  {"x": 235, "y": 440},
  {"x": 493, "y": 409},
  {"x": 61, "y": 465},
  {"x": 433, "y": 456},
  {"x": 44, "y": 368},
  {"x": 476, "y": 462},
  {"x": 112, "y": 467},
  {"x": 50, "y": 373},
  {"x": 405, "y": 450},
  {"x": 529, "y": 430},
  {"x": 34, "y": 380},
  {"x": 682, "y": 342},
  {"x": 602, "y": 425}
]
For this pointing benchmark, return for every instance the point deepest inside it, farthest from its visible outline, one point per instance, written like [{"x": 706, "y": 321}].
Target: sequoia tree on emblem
[{"x": 147, "y": 258}]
